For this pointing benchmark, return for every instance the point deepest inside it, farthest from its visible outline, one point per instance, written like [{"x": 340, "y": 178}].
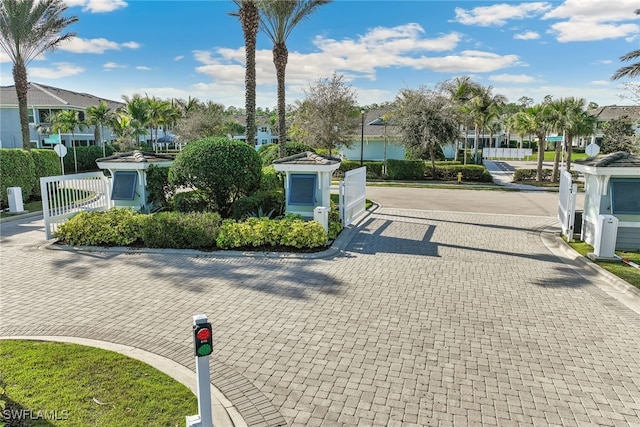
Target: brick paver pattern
[{"x": 427, "y": 318}]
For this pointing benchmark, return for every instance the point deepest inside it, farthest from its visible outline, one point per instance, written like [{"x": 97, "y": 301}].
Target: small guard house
[
  {"x": 307, "y": 182},
  {"x": 129, "y": 177},
  {"x": 612, "y": 189}
]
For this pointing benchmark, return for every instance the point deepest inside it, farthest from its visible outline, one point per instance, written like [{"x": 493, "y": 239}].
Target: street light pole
[{"x": 362, "y": 137}]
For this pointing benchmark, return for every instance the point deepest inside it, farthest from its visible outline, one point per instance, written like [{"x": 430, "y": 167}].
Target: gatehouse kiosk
[
  {"x": 308, "y": 181},
  {"x": 129, "y": 177},
  {"x": 612, "y": 200}
]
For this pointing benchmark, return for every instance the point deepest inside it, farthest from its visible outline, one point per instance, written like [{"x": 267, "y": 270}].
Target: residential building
[{"x": 44, "y": 101}]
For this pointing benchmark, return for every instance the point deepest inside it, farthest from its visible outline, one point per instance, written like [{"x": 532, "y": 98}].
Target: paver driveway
[{"x": 427, "y": 318}]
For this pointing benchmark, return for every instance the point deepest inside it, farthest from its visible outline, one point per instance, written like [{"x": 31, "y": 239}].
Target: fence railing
[
  {"x": 352, "y": 195},
  {"x": 65, "y": 195},
  {"x": 506, "y": 153}
]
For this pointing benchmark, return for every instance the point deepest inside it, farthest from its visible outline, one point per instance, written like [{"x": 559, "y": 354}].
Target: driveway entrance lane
[{"x": 428, "y": 318}]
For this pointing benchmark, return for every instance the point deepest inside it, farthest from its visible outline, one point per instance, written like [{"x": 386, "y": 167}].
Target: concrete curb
[
  {"x": 20, "y": 216},
  {"x": 609, "y": 283},
  {"x": 224, "y": 413}
]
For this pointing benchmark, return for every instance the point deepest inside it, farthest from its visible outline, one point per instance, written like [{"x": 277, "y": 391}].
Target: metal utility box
[
  {"x": 604, "y": 245},
  {"x": 14, "y": 194}
]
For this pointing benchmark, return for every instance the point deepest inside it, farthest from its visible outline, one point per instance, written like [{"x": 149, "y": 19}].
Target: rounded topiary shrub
[{"x": 223, "y": 169}]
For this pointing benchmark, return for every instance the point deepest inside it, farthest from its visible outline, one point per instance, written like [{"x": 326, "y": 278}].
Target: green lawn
[
  {"x": 620, "y": 269},
  {"x": 85, "y": 386},
  {"x": 28, "y": 207},
  {"x": 550, "y": 155}
]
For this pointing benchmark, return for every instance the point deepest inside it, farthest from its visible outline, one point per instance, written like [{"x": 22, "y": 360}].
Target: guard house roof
[
  {"x": 306, "y": 161},
  {"x": 134, "y": 160},
  {"x": 618, "y": 163}
]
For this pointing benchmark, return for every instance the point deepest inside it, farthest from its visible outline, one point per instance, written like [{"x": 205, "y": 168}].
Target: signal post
[{"x": 203, "y": 341}]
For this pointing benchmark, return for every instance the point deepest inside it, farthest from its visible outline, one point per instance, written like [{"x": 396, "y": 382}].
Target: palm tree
[
  {"x": 28, "y": 29},
  {"x": 541, "y": 124},
  {"x": 484, "y": 107},
  {"x": 99, "y": 116},
  {"x": 632, "y": 70},
  {"x": 137, "y": 109},
  {"x": 523, "y": 124},
  {"x": 460, "y": 91},
  {"x": 67, "y": 121},
  {"x": 250, "y": 22},
  {"x": 277, "y": 19}
]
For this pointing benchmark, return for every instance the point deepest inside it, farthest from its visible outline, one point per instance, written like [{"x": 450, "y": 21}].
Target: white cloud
[
  {"x": 62, "y": 69},
  {"x": 512, "y": 78},
  {"x": 97, "y": 6},
  {"x": 101, "y": 45},
  {"x": 179, "y": 58},
  {"x": 499, "y": 14},
  {"x": 574, "y": 30},
  {"x": 143, "y": 68},
  {"x": 588, "y": 20},
  {"x": 527, "y": 35},
  {"x": 600, "y": 83},
  {"x": 402, "y": 46},
  {"x": 113, "y": 66}
]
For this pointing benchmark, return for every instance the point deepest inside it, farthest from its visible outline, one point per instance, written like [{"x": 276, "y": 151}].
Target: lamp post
[{"x": 362, "y": 137}]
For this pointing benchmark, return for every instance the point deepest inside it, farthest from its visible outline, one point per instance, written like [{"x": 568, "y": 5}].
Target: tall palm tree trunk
[
  {"x": 280, "y": 57},
  {"x": 250, "y": 21},
  {"x": 541, "y": 138},
  {"x": 22, "y": 85}
]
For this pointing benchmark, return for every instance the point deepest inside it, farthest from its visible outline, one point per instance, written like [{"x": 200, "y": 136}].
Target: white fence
[
  {"x": 352, "y": 195},
  {"x": 506, "y": 153},
  {"x": 63, "y": 196},
  {"x": 567, "y": 204}
]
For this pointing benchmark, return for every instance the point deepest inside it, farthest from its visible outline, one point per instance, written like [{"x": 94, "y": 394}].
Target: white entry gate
[
  {"x": 352, "y": 195},
  {"x": 567, "y": 204},
  {"x": 65, "y": 195}
]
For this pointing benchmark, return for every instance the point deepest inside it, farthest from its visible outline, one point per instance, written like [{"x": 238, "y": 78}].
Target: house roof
[
  {"x": 40, "y": 95},
  {"x": 610, "y": 112},
  {"x": 307, "y": 158}
]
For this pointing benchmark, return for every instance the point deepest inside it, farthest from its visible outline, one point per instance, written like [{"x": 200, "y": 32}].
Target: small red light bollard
[{"x": 203, "y": 343}]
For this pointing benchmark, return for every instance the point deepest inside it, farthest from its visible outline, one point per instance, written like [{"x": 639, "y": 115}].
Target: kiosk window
[
  {"x": 625, "y": 196},
  {"x": 302, "y": 189},
  {"x": 124, "y": 185}
]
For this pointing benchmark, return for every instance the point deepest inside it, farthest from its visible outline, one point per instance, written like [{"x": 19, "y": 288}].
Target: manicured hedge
[
  {"x": 17, "y": 169},
  {"x": 373, "y": 168},
  {"x": 124, "y": 227},
  {"x": 405, "y": 169},
  {"x": 469, "y": 173},
  {"x": 195, "y": 230},
  {"x": 47, "y": 163},
  {"x": 86, "y": 157}
]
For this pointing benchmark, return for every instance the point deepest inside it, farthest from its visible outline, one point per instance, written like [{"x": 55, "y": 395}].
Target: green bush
[
  {"x": 530, "y": 175},
  {"x": 224, "y": 169},
  {"x": 86, "y": 157},
  {"x": 47, "y": 163},
  {"x": 270, "y": 179},
  {"x": 262, "y": 200},
  {"x": 405, "y": 169},
  {"x": 193, "y": 201},
  {"x": 115, "y": 227},
  {"x": 181, "y": 231},
  {"x": 269, "y": 152},
  {"x": 259, "y": 232},
  {"x": 159, "y": 191},
  {"x": 469, "y": 173},
  {"x": 17, "y": 169},
  {"x": 374, "y": 169}
]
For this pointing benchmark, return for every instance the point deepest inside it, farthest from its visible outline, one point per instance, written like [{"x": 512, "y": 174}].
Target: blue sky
[{"x": 177, "y": 49}]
